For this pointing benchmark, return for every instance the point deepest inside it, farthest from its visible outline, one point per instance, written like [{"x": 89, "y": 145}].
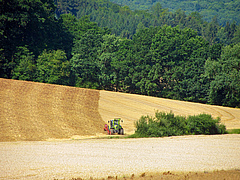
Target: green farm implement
[{"x": 114, "y": 127}]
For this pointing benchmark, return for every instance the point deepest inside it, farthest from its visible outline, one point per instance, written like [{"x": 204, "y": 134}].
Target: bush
[
  {"x": 167, "y": 124},
  {"x": 203, "y": 124}
]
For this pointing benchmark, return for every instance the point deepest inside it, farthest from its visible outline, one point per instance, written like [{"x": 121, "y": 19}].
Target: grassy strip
[
  {"x": 167, "y": 124},
  {"x": 233, "y": 131}
]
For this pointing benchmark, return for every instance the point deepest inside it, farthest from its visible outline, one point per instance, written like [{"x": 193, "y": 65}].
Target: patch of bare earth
[
  {"x": 102, "y": 158},
  {"x": 213, "y": 175}
]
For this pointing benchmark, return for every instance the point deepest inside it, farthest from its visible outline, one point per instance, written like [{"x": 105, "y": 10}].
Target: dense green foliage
[
  {"x": 125, "y": 23},
  {"x": 167, "y": 124},
  {"x": 224, "y": 76},
  {"x": 27, "y": 28},
  {"x": 226, "y": 11},
  {"x": 153, "y": 52}
]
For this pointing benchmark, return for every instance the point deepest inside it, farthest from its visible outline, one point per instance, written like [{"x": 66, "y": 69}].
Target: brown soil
[
  {"x": 214, "y": 175},
  {"x": 102, "y": 158}
]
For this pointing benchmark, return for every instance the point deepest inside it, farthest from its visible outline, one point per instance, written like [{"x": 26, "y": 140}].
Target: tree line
[{"x": 39, "y": 44}]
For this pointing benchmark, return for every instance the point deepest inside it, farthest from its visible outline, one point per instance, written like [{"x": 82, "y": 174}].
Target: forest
[
  {"x": 102, "y": 45},
  {"x": 226, "y": 11}
]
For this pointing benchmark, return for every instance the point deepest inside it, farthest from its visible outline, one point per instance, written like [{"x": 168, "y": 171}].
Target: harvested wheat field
[{"x": 49, "y": 132}]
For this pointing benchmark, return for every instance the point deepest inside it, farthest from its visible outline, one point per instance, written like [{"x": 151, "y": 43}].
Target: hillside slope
[{"x": 37, "y": 111}]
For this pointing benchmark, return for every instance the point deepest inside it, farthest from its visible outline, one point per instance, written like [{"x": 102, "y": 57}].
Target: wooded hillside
[{"x": 225, "y": 11}]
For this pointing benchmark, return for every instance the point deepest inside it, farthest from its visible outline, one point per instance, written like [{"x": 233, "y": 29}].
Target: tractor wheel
[{"x": 121, "y": 132}]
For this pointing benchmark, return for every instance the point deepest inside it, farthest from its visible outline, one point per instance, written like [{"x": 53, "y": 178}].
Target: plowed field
[
  {"x": 37, "y": 112},
  {"x": 100, "y": 158}
]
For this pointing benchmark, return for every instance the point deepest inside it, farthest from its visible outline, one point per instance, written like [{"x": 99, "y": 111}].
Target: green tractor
[{"x": 114, "y": 127}]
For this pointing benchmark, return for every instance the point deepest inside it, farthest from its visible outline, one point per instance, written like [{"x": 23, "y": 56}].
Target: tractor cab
[{"x": 115, "y": 123}]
